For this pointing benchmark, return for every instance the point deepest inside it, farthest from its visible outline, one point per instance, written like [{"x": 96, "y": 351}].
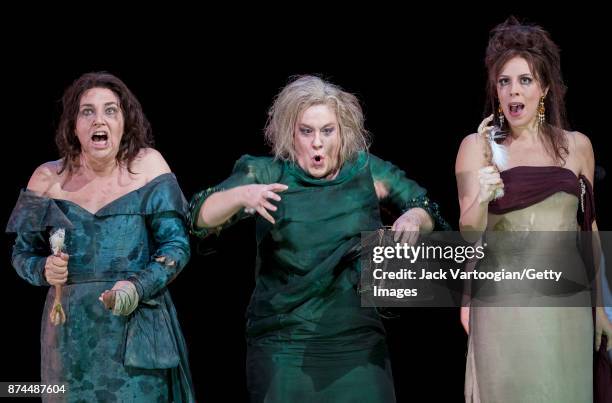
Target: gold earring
[
  {"x": 500, "y": 116},
  {"x": 541, "y": 111}
]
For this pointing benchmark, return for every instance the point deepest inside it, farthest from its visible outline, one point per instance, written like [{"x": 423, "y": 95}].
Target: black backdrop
[{"x": 206, "y": 92}]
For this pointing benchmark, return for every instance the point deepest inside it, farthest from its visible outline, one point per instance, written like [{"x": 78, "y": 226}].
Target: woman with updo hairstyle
[{"x": 525, "y": 173}]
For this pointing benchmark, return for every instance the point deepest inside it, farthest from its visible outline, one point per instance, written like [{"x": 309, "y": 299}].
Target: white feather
[
  {"x": 57, "y": 240},
  {"x": 499, "y": 152},
  {"x": 499, "y": 155}
]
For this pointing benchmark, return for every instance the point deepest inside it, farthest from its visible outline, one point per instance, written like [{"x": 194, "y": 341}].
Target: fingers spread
[
  {"x": 278, "y": 187},
  {"x": 269, "y": 206},
  {"x": 264, "y": 213},
  {"x": 268, "y": 194}
]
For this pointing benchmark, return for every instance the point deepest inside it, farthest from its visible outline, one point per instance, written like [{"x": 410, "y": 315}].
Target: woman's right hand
[
  {"x": 490, "y": 181},
  {"x": 56, "y": 269},
  {"x": 255, "y": 198}
]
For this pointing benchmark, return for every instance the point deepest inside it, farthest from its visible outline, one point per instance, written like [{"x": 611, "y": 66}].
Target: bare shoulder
[
  {"x": 45, "y": 178},
  {"x": 583, "y": 143},
  {"x": 581, "y": 151},
  {"x": 579, "y": 145},
  {"x": 470, "y": 151},
  {"x": 472, "y": 141},
  {"x": 151, "y": 163}
]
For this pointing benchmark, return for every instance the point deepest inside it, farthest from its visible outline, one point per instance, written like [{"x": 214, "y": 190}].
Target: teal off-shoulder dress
[
  {"x": 140, "y": 237},
  {"x": 309, "y": 340}
]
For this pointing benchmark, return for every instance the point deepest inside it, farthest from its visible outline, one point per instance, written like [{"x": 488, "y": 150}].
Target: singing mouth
[
  {"x": 99, "y": 136},
  {"x": 516, "y": 107}
]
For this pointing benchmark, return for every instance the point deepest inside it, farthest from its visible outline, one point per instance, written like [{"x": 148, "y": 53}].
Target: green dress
[
  {"x": 308, "y": 337},
  {"x": 98, "y": 356}
]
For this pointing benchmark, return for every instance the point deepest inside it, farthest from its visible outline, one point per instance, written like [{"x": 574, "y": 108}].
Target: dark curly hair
[
  {"x": 137, "y": 130},
  {"x": 531, "y": 42}
]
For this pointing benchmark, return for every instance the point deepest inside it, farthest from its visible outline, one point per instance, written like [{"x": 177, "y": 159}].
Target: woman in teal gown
[
  {"x": 125, "y": 237},
  {"x": 308, "y": 337}
]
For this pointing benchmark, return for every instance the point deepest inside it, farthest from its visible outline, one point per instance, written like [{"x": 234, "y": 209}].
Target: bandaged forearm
[{"x": 126, "y": 298}]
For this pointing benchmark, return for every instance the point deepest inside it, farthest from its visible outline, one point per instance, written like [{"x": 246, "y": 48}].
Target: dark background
[{"x": 206, "y": 92}]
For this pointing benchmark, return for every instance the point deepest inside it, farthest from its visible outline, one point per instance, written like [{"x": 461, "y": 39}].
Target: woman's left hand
[
  {"x": 408, "y": 226},
  {"x": 122, "y": 299},
  {"x": 602, "y": 327}
]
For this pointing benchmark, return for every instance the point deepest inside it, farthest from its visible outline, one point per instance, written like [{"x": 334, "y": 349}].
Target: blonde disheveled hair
[{"x": 303, "y": 92}]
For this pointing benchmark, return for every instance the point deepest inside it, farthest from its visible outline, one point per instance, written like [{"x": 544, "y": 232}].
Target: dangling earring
[
  {"x": 500, "y": 116},
  {"x": 541, "y": 110}
]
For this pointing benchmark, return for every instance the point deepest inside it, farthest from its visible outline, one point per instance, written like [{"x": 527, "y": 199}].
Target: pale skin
[
  {"x": 477, "y": 179},
  {"x": 317, "y": 142},
  {"x": 99, "y": 179}
]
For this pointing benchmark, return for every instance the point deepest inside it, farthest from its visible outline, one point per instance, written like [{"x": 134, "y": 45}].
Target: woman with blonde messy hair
[
  {"x": 308, "y": 338},
  {"x": 300, "y": 95}
]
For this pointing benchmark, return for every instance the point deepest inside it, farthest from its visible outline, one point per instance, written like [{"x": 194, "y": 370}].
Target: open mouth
[
  {"x": 98, "y": 137},
  {"x": 318, "y": 161},
  {"x": 516, "y": 108}
]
